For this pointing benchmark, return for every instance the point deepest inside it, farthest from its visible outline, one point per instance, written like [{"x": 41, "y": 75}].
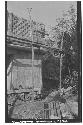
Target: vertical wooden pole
[
  {"x": 60, "y": 70},
  {"x": 29, "y": 10},
  {"x": 33, "y": 66},
  {"x": 61, "y": 59}
]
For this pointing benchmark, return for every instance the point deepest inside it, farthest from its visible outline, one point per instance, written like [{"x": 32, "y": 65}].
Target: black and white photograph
[{"x": 43, "y": 61}]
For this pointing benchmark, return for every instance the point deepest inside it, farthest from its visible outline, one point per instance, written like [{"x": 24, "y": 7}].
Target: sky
[{"x": 42, "y": 11}]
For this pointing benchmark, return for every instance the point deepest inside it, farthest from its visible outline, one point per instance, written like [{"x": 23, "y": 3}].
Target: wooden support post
[{"x": 29, "y": 11}]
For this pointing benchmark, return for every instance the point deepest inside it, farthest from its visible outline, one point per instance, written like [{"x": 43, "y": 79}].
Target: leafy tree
[{"x": 66, "y": 31}]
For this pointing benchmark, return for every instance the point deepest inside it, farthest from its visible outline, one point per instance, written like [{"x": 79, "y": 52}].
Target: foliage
[{"x": 66, "y": 30}]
